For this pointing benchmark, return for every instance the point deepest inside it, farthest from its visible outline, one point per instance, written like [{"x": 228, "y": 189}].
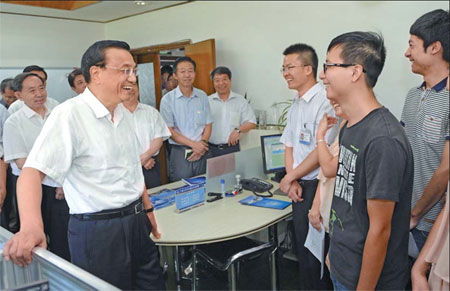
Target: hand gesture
[
  {"x": 325, "y": 124},
  {"x": 149, "y": 164},
  {"x": 233, "y": 139},
  {"x": 286, "y": 182},
  {"x": 199, "y": 147},
  {"x": 59, "y": 194},
  {"x": 295, "y": 192},
  {"x": 314, "y": 218},
  {"x": 155, "y": 232},
  {"x": 194, "y": 157},
  {"x": 19, "y": 247}
]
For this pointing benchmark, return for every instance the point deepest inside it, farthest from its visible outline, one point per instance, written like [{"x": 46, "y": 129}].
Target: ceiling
[{"x": 97, "y": 11}]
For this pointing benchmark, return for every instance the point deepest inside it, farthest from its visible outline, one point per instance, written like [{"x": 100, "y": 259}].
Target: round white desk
[{"x": 221, "y": 220}]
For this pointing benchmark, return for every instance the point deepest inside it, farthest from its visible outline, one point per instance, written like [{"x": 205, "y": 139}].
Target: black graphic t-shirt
[{"x": 375, "y": 162}]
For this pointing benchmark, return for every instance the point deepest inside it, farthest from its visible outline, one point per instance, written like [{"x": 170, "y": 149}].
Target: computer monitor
[{"x": 272, "y": 153}]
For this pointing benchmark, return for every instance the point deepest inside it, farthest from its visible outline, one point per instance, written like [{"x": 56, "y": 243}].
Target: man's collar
[
  {"x": 97, "y": 107},
  {"x": 438, "y": 87},
  {"x": 30, "y": 112},
  {"x": 216, "y": 96},
  {"x": 311, "y": 92},
  {"x": 179, "y": 94}
]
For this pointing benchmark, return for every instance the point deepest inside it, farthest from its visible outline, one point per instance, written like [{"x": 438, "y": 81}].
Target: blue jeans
[
  {"x": 337, "y": 285},
  {"x": 420, "y": 237}
]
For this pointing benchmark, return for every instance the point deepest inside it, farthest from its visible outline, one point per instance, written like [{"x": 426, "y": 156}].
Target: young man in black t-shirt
[{"x": 369, "y": 221}]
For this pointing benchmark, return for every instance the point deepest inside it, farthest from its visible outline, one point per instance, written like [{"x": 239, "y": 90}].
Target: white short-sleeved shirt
[
  {"x": 97, "y": 160},
  {"x": 149, "y": 125},
  {"x": 3, "y": 116},
  {"x": 187, "y": 115},
  {"x": 228, "y": 115},
  {"x": 303, "y": 119},
  {"x": 50, "y": 103},
  {"x": 20, "y": 132}
]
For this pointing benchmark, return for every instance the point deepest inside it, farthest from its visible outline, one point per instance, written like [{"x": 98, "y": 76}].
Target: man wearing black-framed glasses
[{"x": 369, "y": 220}]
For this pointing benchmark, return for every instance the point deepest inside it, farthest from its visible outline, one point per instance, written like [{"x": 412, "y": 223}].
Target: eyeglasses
[
  {"x": 126, "y": 71},
  {"x": 289, "y": 68},
  {"x": 325, "y": 66}
]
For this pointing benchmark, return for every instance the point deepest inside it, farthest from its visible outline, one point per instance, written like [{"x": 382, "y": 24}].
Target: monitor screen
[{"x": 272, "y": 153}]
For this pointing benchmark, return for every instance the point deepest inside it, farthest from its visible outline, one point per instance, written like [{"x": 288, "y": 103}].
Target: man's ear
[
  {"x": 17, "y": 94},
  {"x": 435, "y": 47},
  {"x": 95, "y": 72},
  {"x": 357, "y": 72}
]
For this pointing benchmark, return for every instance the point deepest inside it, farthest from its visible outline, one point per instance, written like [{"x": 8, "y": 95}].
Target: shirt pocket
[
  {"x": 235, "y": 118},
  {"x": 431, "y": 129},
  {"x": 200, "y": 118}
]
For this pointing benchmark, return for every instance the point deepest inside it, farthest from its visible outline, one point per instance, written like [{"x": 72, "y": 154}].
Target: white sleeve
[{"x": 53, "y": 150}]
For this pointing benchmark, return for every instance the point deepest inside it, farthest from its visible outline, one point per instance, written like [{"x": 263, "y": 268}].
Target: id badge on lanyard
[{"x": 305, "y": 136}]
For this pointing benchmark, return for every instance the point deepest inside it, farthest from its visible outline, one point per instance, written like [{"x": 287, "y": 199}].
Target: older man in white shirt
[
  {"x": 151, "y": 131},
  {"x": 89, "y": 144},
  {"x": 231, "y": 113},
  {"x": 20, "y": 132}
]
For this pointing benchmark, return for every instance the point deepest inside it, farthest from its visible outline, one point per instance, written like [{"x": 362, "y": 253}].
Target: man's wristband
[
  {"x": 238, "y": 130},
  {"x": 204, "y": 141},
  {"x": 149, "y": 210},
  {"x": 320, "y": 140}
]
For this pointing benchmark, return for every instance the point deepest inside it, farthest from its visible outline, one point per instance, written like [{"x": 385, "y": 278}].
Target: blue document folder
[
  {"x": 265, "y": 202},
  {"x": 194, "y": 181}
]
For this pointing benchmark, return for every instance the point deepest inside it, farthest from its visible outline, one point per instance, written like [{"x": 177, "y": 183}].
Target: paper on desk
[
  {"x": 315, "y": 242},
  {"x": 413, "y": 251}
]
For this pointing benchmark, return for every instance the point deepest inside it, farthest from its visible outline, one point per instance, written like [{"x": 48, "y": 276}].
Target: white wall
[
  {"x": 251, "y": 36},
  {"x": 26, "y": 40}
]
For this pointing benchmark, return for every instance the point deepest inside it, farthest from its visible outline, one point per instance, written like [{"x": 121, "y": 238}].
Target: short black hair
[
  {"x": 306, "y": 53},
  {"x": 72, "y": 75},
  {"x": 5, "y": 84},
  {"x": 18, "y": 80},
  {"x": 183, "y": 59},
  {"x": 364, "y": 48},
  {"x": 95, "y": 55},
  {"x": 166, "y": 69},
  {"x": 431, "y": 27},
  {"x": 170, "y": 75},
  {"x": 31, "y": 68},
  {"x": 221, "y": 71}
]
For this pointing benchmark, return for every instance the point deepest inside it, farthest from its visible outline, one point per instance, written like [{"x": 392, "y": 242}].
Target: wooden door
[{"x": 204, "y": 55}]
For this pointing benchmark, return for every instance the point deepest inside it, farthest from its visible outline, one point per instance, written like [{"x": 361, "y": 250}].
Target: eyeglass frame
[
  {"x": 282, "y": 70},
  {"x": 126, "y": 71},
  {"x": 325, "y": 66}
]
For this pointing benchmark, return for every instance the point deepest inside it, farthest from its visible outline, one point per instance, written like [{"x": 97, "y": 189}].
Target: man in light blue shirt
[{"x": 187, "y": 113}]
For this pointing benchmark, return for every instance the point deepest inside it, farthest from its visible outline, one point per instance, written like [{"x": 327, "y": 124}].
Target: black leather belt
[
  {"x": 307, "y": 183},
  {"x": 134, "y": 208},
  {"x": 222, "y": 146}
]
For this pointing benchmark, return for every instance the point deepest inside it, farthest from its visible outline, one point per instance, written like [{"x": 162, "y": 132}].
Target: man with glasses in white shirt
[
  {"x": 301, "y": 159},
  {"x": 231, "y": 113},
  {"x": 89, "y": 144}
]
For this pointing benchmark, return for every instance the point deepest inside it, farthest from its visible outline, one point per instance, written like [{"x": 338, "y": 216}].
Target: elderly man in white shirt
[
  {"x": 20, "y": 132},
  {"x": 151, "y": 131},
  {"x": 50, "y": 103},
  {"x": 89, "y": 144},
  {"x": 231, "y": 113}
]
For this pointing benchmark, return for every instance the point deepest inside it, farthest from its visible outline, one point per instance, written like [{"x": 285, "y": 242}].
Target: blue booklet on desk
[
  {"x": 265, "y": 202},
  {"x": 194, "y": 181},
  {"x": 163, "y": 198}
]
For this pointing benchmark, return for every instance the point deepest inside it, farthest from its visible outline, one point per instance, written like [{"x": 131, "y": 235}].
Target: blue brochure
[
  {"x": 265, "y": 202},
  {"x": 195, "y": 181},
  {"x": 163, "y": 198}
]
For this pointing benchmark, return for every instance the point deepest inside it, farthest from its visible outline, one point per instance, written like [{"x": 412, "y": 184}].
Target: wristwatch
[
  {"x": 238, "y": 130},
  {"x": 149, "y": 210}
]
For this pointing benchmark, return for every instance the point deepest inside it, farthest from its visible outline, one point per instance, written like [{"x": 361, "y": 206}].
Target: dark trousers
[
  {"x": 180, "y": 168},
  {"x": 152, "y": 177},
  {"x": 220, "y": 150},
  {"x": 309, "y": 266},
  {"x": 10, "y": 212},
  {"x": 117, "y": 250}
]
